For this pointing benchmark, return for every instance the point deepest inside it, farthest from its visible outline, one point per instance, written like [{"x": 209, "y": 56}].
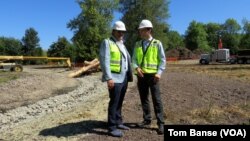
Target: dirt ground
[
  {"x": 34, "y": 84},
  {"x": 191, "y": 94}
]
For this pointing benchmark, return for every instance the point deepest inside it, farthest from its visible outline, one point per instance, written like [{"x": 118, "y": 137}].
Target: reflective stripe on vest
[
  {"x": 115, "y": 57},
  {"x": 148, "y": 60}
]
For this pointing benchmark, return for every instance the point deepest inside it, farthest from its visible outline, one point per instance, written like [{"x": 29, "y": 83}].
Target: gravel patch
[{"x": 89, "y": 86}]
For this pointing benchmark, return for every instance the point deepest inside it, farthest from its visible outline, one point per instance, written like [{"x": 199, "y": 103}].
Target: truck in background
[
  {"x": 219, "y": 55},
  {"x": 223, "y": 56},
  {"x": 243, "y": 56}
]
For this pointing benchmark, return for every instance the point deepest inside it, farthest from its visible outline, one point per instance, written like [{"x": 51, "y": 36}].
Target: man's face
[
  {"x": 144, "y": 33},
  {"x": 118, "y": 34}
]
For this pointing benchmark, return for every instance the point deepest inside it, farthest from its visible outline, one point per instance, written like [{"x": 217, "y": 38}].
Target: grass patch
[
  {"x": 7, "y": 76},
  {"x": 234, "y": 114},
  {"x": 209, "y": 114},
  {"x": 234, "y": 71},
  {"x": 231, "y": 68},
  {"x": 241, "y": 75}
]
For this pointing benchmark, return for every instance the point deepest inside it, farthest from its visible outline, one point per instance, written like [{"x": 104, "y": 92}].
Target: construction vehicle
[
  {"x": 13, "y": 66},
  {"x": 220, "y": 55},
  {"x": 243, "y": 56},
  {"x": 223, "y": 56}
]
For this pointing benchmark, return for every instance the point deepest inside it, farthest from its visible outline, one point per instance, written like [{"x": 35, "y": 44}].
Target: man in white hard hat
[
  {"x": 116, "y": 67},
  {"x": 149, "y": 61}
]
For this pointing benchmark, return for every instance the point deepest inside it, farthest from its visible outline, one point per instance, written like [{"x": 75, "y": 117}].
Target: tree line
[
  {"x": 93, "y": 24},
  {"x": 28, "y": 46}
]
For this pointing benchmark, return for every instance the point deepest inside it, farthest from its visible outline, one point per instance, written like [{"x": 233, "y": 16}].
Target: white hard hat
[
  {"x": 119, "y": 25},
  {"x": 145, "y": 24}
]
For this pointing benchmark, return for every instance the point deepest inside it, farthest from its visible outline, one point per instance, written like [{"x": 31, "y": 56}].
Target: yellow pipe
[{"x": 4, "y": 58}]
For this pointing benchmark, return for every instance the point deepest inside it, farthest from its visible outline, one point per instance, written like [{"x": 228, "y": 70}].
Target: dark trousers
[
  {"x": 116, "y": 96},
  {"x": 144, "y": 84}
]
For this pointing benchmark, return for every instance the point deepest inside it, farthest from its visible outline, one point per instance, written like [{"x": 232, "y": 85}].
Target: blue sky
[
  {"x": 50, "y": 17},
  {"x": 184, "y": 11}
]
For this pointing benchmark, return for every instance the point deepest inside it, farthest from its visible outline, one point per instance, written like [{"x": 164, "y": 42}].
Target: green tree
[
  {"x": 175, "y": 40},
  {"x": 38, "y": 51},
  {"x": 245, "y": 40},
  {"x": 30, "y": 42},
  {"x": 196, "y": 37},
  {"x": 246, "y": 26},
  {"x": 231, "y": 36},
  {"x": 10, "y": 46},
  {"x": 62, "y": 48},
  {"x": 70, "y": 51},
  {"x": 136, "y": 10},
  {"x": 2, "y": 51},
  {"x": 231, "y": 26},
  {"x": 213, "y": 31},
  {"x": 57, "y": 48},
  {"x": 91, "y": 26},
  {"x": 2, "y": 46}
]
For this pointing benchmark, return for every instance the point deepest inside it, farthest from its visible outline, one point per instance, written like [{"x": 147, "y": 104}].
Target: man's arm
[
  {"x": 134, "y": 61},
  {"x": 136, "y": 65},
  {"x": 105, "y": 60},
  {"x": 162, "y": 58}
]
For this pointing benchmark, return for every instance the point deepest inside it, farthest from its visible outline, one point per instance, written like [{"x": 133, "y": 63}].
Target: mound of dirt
[{"x": 180, "y": 53}]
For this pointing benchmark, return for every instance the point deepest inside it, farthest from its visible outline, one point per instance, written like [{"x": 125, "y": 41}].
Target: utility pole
[
  {"x": 220, "y": 45},
  {"x": 220, "y": 33}
]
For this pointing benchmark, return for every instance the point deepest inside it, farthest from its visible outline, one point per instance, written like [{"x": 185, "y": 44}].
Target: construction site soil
[{"x": 45, "y": 104}]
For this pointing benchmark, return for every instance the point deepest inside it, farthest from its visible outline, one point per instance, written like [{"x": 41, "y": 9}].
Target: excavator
[{"x": 13, "y": 66}]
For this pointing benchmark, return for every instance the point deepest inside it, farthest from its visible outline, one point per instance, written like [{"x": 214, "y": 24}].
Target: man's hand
[
  {"x": 110, "y": 84},
  {"x": 157, "y": 77},
  {"x": 139, "y": 72}
]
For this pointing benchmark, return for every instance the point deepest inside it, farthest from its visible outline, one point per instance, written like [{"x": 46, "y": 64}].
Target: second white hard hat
[
  {"x": 145, "y": 24},
  {"x": 119, "y": 25}
]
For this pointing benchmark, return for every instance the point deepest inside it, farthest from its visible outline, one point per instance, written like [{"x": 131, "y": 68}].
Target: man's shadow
[{"x": 72, "y": 129}]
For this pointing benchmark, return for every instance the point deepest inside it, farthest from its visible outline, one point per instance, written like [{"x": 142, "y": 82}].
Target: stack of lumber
[{"x": 94, "y": 64}]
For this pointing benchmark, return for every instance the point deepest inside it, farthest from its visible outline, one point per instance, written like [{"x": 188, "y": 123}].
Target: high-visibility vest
[
  {"x": 148, "y": 61},
  {"x": 115, "y": 57}
]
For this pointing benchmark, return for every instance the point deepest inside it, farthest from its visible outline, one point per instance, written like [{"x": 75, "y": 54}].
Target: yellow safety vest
[
  {"x": 148, "y": 61},
  {"x": 115, "y": 57}
]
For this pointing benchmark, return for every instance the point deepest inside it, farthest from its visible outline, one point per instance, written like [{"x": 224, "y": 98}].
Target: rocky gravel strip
[{"x": 89, "y": 86}]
